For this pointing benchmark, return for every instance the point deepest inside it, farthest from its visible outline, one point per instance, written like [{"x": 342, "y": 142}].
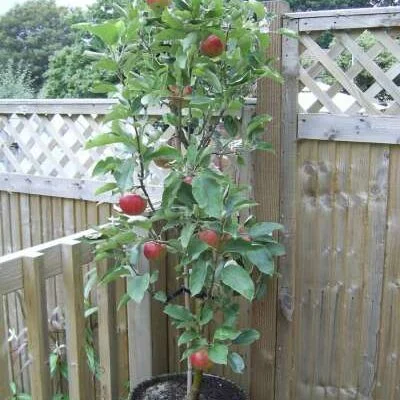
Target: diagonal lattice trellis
[{"x": 331, "y": 85}]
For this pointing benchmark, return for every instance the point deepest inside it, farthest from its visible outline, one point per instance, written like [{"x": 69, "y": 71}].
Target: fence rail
[{"x": 28, "y": 270}]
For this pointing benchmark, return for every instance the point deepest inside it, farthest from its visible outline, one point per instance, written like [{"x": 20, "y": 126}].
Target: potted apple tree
[{"x": 196, "y": 60}]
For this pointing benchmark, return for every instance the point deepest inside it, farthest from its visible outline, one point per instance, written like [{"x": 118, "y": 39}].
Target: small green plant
[
  {"x": 196, "y": 59},
  {"x": 15, "y": 81}
]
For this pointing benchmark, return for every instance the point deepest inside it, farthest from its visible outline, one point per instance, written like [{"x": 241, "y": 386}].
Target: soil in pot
[{"x": 173, "y": 387}]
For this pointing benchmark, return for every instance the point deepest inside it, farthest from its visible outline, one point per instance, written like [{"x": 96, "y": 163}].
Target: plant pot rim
[{"x": 147, "y": 383}]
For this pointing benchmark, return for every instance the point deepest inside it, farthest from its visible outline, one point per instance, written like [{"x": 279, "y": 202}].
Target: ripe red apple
[
  {"x": 200, "y": 360},
  {"x": 188, "y": 179},
  {"x": 158, "y": 4},
  {"x": 132, "y": 204},
  {"x": 153, "y": 250},
  {"x": 210, "y": 237},
  {"x": 212, "y": 46}
]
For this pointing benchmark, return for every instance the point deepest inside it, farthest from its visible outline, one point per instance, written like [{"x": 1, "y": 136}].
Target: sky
[{"x": 5, "y": 5}]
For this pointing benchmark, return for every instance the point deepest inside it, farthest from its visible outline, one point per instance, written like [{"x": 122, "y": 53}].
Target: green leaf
[
  {"x": 198, "y": 277},
  {"x": 53, "y": 361},
  {"x": 106, "y": 188},
  {"x": 213, "y": 80},
  {"x": 218, "y": 353},
  {"x": 238, "y": 279},
  {"x": 195, "y": 249},
  {"x": 114, "y": 274},
  {"x": 231, "y": 314},
  {"x": 187, "y": 234},
  {"x": 232, "y": 125},
  {"x": 226, "y": 333},
  {"x": 137, "y": 286},
  {"x": 160, "y": 296},
  {"x": 262, "y": 259},
  {"x": 103, "y": 87},
  {"x": 179, "y": 313},
  {"x": 209, "y": 195},
  {"x": 154, "y": 276},
  {"x": 124, "y": 175},
  {"x": 109, "y": 32},
  {"x": 104, "y": 139},
  {"x": 90, "y": 311},
  {"x": 236, "y": 362},
  {"x": 247, "y": 337},
  {"x": 276, "y": 249},
  {"x": 258, "y": 122},
  {"x": 264, "y": 228},
  {"x": 206, "y": 315},
  {"x": 187, "y": 337},
  {"x": 169, "y": 152}
]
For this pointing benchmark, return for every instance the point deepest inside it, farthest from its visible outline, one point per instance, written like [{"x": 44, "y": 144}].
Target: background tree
[
  {"x": 15, "y": 82},
  {"x": 31, "y": 32},
  {"x": 71, "y": 73}
]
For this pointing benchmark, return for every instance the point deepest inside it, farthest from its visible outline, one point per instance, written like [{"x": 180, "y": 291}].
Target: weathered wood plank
[
  {"x": 347, "y": 19},
  {"x": 60, "y": 187},
  {"x": 266, "y": 168},
  {"x": 4, "y": 372},
  {"x": 140, "y": 338},
  {"x": 75, "y": 321},
  {"x": 107, "y": 336},
  {"x": 389, "y": 339},
  {"x": 342, "y": 128},
  {"x": 36, "y": 323},
  {"x": 288, "y": 171}
]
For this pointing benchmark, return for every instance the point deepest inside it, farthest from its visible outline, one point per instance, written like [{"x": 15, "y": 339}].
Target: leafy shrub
[{"x": 15, "y": 82}]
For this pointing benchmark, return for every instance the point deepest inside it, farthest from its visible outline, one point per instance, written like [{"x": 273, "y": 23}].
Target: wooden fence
[
  {"x": 329, "y": 324},
  {"x": 338, "y": 337}
]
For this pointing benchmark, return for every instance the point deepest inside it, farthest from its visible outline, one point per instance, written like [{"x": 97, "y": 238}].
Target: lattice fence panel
[{"x": 359, "y": 72}]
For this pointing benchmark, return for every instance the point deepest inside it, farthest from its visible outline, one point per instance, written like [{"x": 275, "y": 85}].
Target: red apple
[
  {"x": 212, "y": 46},
  {"x": 153, "y": 250},
  {"x": 132, "y": 204},
  {"x": 188, "y": 179},
  {"x": 210, "y": 237},
  {"x": 200, "y": 360},
  {"x": 158, "y": 4}
]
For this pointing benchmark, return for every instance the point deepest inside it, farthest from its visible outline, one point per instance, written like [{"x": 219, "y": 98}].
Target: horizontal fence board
[
  {"x": 11, "y": 274},
  {"x": 81, "y": 189},
  {"x": 347, "y": 19},
  {"x": 342, "y": 128}
]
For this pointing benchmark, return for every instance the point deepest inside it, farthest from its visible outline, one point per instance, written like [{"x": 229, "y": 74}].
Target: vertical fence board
[
  {"x": 73, "y": 283},
  {"x": 36, "y": 321},
  {"x": 4, "y": 371},
  {"x": 387, "y": 384},
  {"x": 266, "y": 168},
  {"x": 286, "y": 284},
  {"x": 107, "y": 336},
  {"x": 140, "y": 346}
]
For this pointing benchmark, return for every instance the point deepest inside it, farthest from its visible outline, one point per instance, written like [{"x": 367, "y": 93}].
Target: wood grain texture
[
  {"x": 266, "y": 183},
  {"x": 36, "y": 322},
  {"x": 288, "y": 171},
  {"x": 4, "y": 369},
  {"x": 75, "y": 320}
]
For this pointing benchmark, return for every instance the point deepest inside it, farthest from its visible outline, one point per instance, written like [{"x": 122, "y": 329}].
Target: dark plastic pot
[{"x": 173, "y": 387}]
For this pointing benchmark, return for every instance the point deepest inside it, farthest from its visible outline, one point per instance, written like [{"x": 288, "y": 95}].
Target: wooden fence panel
[{"x": 342, "y": 342}]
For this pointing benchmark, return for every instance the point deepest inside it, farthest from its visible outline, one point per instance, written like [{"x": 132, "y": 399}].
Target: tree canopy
[{"x": 31, "y": 32}]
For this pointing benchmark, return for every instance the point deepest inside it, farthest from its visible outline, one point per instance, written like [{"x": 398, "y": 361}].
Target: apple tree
[{"x": 197, "y": 59}]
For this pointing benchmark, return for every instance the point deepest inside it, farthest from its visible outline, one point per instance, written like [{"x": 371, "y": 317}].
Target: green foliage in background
[
  {"x": 31, "y": 32},
  {"x": 15, "y": 81}
]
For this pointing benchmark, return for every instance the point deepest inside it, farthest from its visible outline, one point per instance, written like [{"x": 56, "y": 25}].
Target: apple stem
[
  {"x": 195, "y": 390},
  {"x": 187, "y": 306}
]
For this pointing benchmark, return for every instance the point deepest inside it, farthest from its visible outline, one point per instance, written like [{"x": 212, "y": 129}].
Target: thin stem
[
  {"x": 195, "y": 391},
  {"x": 142, "y": 170},
  {"x": 187, "y": 306}
]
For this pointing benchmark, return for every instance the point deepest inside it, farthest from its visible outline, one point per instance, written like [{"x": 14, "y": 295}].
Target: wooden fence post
[
  {"x": 267, "y": 194},
  {"x": 78, "y": 377},
  {"x": 36, "y": 322}
]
